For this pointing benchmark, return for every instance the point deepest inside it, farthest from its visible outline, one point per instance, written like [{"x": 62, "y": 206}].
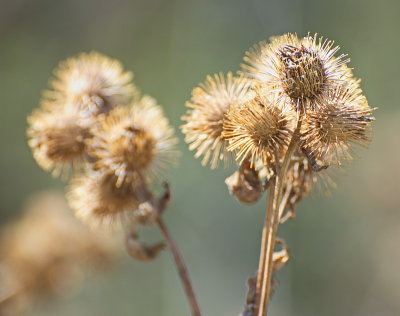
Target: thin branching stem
[{"x": 181, "y": 267}]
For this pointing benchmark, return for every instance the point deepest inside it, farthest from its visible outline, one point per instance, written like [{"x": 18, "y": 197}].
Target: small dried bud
[
  {"x": 245, "y": 184},
  {"x": 133, "y": 142},
  {"x": 58, "y": 140},
  {"x": 209, "y": 104},
  {"x": 92, "y": 82},
  {"x": 300, "y": 180},
  {"x": 258, "y": 129},
  {"x": 140, "y": 251}
]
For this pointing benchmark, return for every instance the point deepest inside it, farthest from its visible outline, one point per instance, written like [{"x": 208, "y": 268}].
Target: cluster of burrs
[
  {"x": 293, "y": 111},
  {"x": 95, "y": 125}
]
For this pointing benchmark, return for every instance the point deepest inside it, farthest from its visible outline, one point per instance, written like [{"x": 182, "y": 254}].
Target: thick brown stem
[{"x": 182, "y": 270}]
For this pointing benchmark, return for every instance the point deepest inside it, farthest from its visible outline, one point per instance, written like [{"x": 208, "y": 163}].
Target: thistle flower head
[
  {"x": 98, "y": 201},
  {"x": 301, "y": 71},
  {"x": 134, "y": 142},
  {"x": 330, "y": 133},
  {"x": 208, "y": 105},
  {"x": 58, "y": 140},
  {"x": 92, "y": 82},
  {"x": 258, "y": 129}
]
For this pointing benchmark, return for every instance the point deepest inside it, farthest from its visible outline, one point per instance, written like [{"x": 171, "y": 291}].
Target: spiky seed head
[
  {"x": 92, "y": 82},
  {"x": 98, "y": 201},
  {"x": 330, "y": 133},
  {"x": 258, "y": 130},
  {"x": 209, "y": 103},
  {"x": 58, "y": 140},
  {"x": 133, "y": 142},
  {"x": 302, "y": 70}
]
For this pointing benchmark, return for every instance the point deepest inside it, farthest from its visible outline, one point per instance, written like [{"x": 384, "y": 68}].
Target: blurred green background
[{"x": 345, "y": 248}]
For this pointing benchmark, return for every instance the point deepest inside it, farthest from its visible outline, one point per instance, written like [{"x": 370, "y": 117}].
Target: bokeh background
[{"x": 345, "y": 248}]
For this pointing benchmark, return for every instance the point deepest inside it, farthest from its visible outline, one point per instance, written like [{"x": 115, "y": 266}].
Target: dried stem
[
  {"x": 264, "y": 243},
  {"x": 180, "y": 265},
  {"x": 270, "y": 229}
]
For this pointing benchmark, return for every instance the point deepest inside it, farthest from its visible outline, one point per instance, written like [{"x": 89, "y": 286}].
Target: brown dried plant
[
  {"x": 303, "y": 112},
  {"x": 95, "y": 123},
  {"x": 45, "y": 252}
]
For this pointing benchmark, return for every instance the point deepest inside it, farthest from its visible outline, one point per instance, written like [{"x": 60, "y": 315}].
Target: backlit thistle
[
  {"x": 95, "y": 118},
  {"x": 58, "y": 139},
  {"x": 303, "y": 70},
  {"x": 209, "y": 103},
  {"x": 306, "y": 113},
  {"x": 133, "y": 143},
  {"x": 92, "y": 82}
]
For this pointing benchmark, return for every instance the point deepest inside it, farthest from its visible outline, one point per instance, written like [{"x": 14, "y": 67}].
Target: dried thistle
[
  {"x": 302, "y": 71},
  {"x": 258, "y": 129},
  {"x": 306, "y": 113},
  {"x": 92, "y": 82},
  {"x": 125, "y": 141},
  {"x": 330, "y": 133},
  {"x": 58, "y": 140},
  {"x": 98, "y": 201},
  {"x": 208, "y": 105},
  {"x": 46, "y": 252},
  {"x": 134, "y": 143}
]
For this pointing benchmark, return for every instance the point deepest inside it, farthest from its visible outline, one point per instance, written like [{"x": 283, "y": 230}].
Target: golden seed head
[
  {"x": 133, "y": 142},
  {"x": 329, "y": 133},
  {"x": 301, "y": 70},
  {"x": 258, "y": 129},
  {"x": 92, "y": 82},
  {"x": 209, "y": 103},
  {"x": 58, "y": 140},
  {"x": 98, "y": 201}
]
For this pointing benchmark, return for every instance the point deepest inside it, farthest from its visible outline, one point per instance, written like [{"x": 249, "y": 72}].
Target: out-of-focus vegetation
[{"x": 344, "y": 248}]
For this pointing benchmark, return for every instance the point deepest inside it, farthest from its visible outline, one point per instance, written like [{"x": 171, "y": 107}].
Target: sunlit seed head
[
  {"x": 258, "y": 130},
  {"x": 98, "y": 201},
  {"x": 133, "y": 142},
  {"x": 58, "y": 140},
  {"x": 209, "y": 103},
  {"x": 92, "y": 82},
  {"x": 302, "y": 70},
  {"x": 330, "y": 133}
]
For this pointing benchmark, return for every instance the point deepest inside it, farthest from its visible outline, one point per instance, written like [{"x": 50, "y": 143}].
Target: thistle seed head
[
  {"x": 299, "y": 71},
  {"x": 208, "y": 106},
  {"x": 98, "y": 201},
  {"x": 330, "y": 133},
  {"x": 91, "y": 82},
  {"x": 258, "y": 130},
  {"x": 58, "y": 140},
  {"x": 134, "y": 142}
]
